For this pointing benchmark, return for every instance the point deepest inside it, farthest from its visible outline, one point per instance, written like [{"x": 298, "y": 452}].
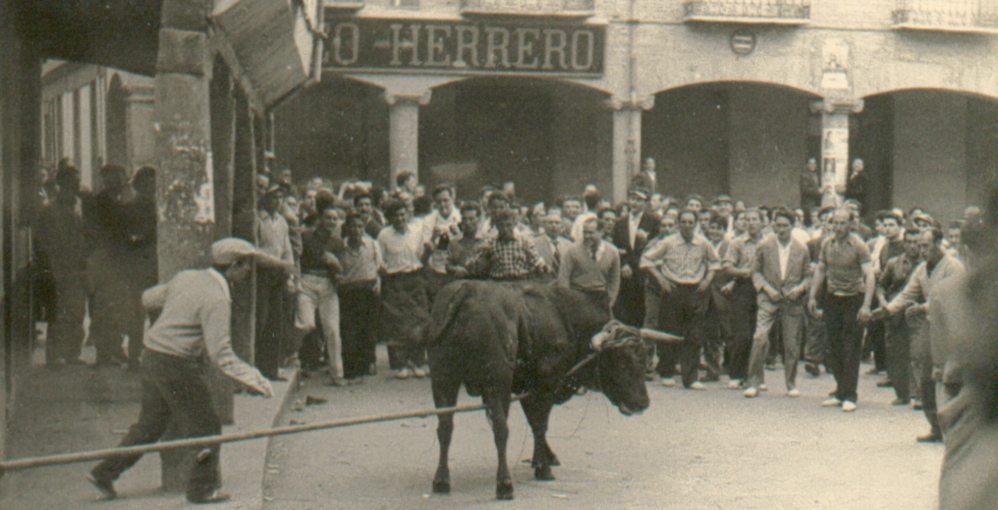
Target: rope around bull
[{"x": 206, "y": 441}]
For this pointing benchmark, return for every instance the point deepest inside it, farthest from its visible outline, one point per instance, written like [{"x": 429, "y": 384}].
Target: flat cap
[{"x": 228, "y": 250}]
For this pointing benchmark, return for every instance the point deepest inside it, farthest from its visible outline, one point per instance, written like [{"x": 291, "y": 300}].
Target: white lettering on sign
[
  {"x": 442, "y": 45},
  {"x": 346, "y": 34}
]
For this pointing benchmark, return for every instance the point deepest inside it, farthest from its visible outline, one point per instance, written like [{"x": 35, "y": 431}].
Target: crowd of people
[
  {"x": 349, "y": 265},
  {"x": 342, "y": 267}
]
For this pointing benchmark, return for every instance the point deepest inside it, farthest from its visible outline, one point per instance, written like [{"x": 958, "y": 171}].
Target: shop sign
[{"x": 485, "y": 47}]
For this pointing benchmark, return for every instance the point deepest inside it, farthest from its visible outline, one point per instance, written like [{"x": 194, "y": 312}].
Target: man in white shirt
[
  {"x": 405, "y": 300},
  {"x": 272, "y": 299}
]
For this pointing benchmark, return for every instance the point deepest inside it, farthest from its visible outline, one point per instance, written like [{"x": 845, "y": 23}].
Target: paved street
[{"x": 690, "y": 450}]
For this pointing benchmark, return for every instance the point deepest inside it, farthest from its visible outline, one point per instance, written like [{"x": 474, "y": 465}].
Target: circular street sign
[{"x": 742, "y": 42}]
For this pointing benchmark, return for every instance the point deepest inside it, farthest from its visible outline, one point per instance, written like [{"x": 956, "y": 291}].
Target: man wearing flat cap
[{"x": 194, "y": 320}]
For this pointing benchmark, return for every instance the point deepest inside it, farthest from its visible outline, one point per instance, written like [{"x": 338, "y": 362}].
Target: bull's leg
[
  {"x": 444, "y": 395},
  {"x": 538, "y": 409},
  {"x": 498, "y": 405}
]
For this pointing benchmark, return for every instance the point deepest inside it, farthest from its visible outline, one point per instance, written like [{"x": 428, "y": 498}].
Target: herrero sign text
[{"x": 386, "y": 45}]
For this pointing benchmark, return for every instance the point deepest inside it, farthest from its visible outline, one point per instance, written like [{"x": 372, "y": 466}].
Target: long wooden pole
[{"x": 124, "y": 451}]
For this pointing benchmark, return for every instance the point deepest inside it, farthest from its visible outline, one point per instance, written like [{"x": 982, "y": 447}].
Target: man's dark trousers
[
  {"x": 173, "y": 389},
  {"x": 898, "y": 344},
  {"x": 683, "y": 315},
  {"x": 845, "y": 337},
  {"x": 271, "y": 320},
  {"x": 744, "y": 311},
  {"x": 921, "y": 357}
]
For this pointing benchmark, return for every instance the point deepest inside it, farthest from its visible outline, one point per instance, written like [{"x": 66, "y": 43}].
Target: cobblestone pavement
[{"x": 691, "y": 450}]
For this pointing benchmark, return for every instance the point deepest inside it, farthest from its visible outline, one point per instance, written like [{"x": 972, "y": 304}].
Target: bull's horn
[
  {"x": 599, "y": 339},
  {"x": 659, "y": 336}
]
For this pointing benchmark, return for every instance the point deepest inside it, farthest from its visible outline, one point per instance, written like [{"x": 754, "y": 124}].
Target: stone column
[
  {"x": 626, "y": 141},
  {"x": 403, "y": 132},
  {"x": 185, "y": 181},
  {"x": 834, "y": 169}
]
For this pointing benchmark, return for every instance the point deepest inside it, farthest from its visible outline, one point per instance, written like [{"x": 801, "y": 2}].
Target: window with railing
[
  {"x": 344, "y": 4},
  {"x": 780, "y": 12},
  {"x": 947, "y": 15},
  {"x": 529, "y": 7}
]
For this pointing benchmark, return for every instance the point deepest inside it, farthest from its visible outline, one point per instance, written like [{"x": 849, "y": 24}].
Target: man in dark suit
[
  {"x": 630, "y": 235},
  {"x": 782, "y": 276}
]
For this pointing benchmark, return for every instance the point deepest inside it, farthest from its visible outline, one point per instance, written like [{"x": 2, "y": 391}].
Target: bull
[{"x": 498, "y": 339}]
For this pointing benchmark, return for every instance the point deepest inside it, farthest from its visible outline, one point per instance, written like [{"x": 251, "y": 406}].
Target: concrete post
[
  {"x": 185, "y": 181},
  {"x": 626, "y": 142},
  {"x": 834, "y": 168},
  {"x": 403, "y": 132}
]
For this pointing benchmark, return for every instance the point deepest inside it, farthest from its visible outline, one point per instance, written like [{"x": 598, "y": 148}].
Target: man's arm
[
  {"x": 216, "y": 324},
  {"x": 911, "y": 294},
  {"x": 565, "y": 270},
  {"x": 154, "y": 298},
  {"x": 759, "y": 280},
  {"x": 613, "y": 279}
]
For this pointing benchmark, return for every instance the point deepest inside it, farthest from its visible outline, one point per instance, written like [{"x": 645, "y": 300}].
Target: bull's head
[{"x": 620, "y": 367}]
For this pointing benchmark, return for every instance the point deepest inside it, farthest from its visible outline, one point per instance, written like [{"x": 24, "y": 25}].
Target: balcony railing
[
  {"x": 346, "y": 5},
  {"x": 563, "y": 8},
  {"x": 767, "y": 12},
  {"x": 971, "y": 16}
]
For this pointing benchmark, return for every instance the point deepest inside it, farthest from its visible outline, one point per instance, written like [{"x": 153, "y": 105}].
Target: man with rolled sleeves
[
  {"x": 845, "y": 276},
  {"x": 194, "y": 320},
  {"x": 914, "y": 301},
  {"x": 891, "y": 282},
  {"x": 738, "y": 264},
  {"x": 683, "y": 266}
]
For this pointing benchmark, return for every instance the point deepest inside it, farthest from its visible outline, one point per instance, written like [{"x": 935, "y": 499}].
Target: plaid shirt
[{"x": 515, "y": 259}]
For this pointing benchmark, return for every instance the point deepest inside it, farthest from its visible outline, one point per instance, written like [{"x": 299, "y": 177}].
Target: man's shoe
[
  {"x": 751, "y": 392},
  {"x": 916, "y": 404},
  {"x": 419, "y": 372},
  {"x": 793, "y": 393},
  {"x": 404, "y": 373},
  {"x": 900, "y": 401},
  {"x": 697, "y": 385},
  {"x": 734, "y": 384},
  {"x": 212, "y": 497},
  {"x": 931, "y": 437},
  {"x": 106, "y": 487},
  {"x": 668, "y": 382},
  {"x": 873, "y": 371},
  {"x": 848, "y": 406},
  {"x": 812, "y": 369},
  {"x": 832, "y": 402},
  {"x": 763, "y": 387},
  {"x": 885, "y": 383}
]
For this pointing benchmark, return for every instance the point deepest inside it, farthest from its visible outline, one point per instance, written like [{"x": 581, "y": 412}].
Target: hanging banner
[{"x": 460, "y": 47}]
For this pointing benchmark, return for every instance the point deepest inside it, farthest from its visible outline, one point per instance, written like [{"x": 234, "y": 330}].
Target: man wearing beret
[{"x": 194, "y": 319}]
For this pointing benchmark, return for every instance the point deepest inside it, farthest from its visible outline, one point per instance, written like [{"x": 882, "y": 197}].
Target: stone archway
[
  {"x": 550, "y": 137},
  {"x": 749, "y": 139}
]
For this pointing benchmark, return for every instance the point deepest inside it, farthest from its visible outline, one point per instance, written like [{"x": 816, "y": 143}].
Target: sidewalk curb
[{"x": 256, "y": 501}]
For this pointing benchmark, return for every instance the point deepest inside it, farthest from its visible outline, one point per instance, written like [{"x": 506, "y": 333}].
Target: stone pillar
[
  {"x": 626, "y": 142},
  {"x": 185, "y": 181},
  {"x": 140, "y": 138},
  {"x": 403, "y": 132},
  {"x": 834, "y": 168}
]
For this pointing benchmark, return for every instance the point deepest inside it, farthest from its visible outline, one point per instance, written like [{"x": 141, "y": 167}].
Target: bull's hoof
[
  {"x": 543, "y": 474},
  {"x": 441, "y": 487},
  {"x": 504, "y": 490}
]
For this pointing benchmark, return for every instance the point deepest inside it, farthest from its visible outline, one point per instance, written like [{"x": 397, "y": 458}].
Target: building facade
[
  {"x": 96, "y": 115},
  {"x": 728, "y": 96}
]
